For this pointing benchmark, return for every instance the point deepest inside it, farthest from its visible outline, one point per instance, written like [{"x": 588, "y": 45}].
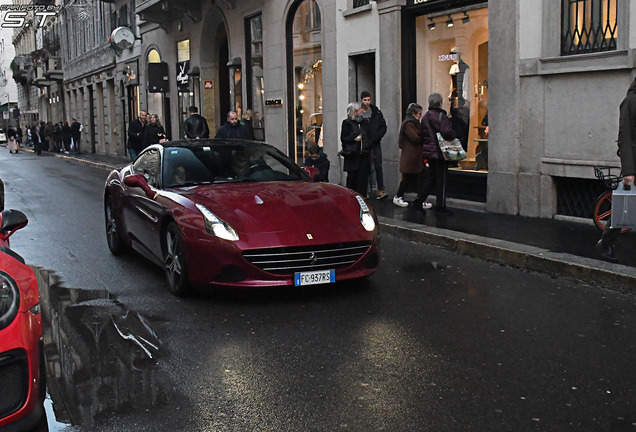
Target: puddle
[{"x": 101, "y": 357}]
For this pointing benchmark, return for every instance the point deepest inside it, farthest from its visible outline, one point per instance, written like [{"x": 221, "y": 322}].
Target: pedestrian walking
[
  {"x": 12, "y": 142},
  {"x": 37, "y": 139},
  {"x": 135, "y": 135},
  {"x": 66, "y": 137},
  {"x": 153, "y": 132},
  {"x": 356, "y": 149},
  {"x": 57, "y": 134},
  {"x": 376, "y": 130},
  {"x": 76, "y": 135},
  {"x": 627, "y": 155},
  {"x": 18, "y": 134},
  {"x": 195, "y": 126},
  {"x": 43, "y": 141},
  {"x": 49, "y": 136},
  {"x": 411, "y": 160},
  {"x": 435, "y": 120},
  {"x": 233, "y": 128}
]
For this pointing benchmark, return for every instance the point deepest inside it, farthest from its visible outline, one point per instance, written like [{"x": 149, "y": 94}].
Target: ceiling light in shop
[
  {"x": 465, "y": 18},
  {"x": 431, "y": 25},
  {"x": 449, "y": 21}
]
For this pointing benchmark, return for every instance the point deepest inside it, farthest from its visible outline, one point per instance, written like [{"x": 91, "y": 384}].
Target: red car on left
[{"x": 22, "y": 377}]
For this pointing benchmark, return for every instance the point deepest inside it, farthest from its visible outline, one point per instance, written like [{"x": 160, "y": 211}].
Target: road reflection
[{"x": 101, "y": 357}]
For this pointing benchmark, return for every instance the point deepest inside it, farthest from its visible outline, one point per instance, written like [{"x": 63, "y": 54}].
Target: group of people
[
  {"x": 361, "y": 135},
  {"x": 58, "y": 137},
  {"x": 143, "y": 132},
  {"x": 147, "y": 130}
]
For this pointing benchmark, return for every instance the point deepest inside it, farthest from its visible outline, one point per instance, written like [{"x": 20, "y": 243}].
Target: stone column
[
  {"x": 389, "y": 86},
  {"x": 504, "y": 108}
]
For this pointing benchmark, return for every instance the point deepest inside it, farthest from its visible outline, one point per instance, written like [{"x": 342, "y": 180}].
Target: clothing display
[{"x": 460, "y": 100}]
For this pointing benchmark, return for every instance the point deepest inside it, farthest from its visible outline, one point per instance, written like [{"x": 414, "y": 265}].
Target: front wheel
[
  {"x": 175, "y": 261},
  {"x": 115, "y": 243}
]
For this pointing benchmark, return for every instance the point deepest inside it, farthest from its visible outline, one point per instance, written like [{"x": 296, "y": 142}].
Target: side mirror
[
  {"x": 312, "y": 172},
  {"x": 138, "y": 180},
  {"x": 11, "y": 221}
]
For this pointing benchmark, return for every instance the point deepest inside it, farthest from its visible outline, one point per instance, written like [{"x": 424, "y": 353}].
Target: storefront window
[
  {"x": 452, "y": 59},
  {"x": 155, "y": 100},
  {"x": 305, "y": 43}
]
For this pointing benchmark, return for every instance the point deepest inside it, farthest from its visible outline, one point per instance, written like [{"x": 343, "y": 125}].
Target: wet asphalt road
[{"x": 432, "y": 342}]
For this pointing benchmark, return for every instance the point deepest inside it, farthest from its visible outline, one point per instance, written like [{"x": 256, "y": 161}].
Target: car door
[{"x": 142, "y": 214}]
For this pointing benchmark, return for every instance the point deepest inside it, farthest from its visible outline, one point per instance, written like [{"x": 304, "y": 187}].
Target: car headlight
[
  {"x": 216, "y": 226},
  {"x": 366, "y": 219},
  {"x": 9, "y": 300}
]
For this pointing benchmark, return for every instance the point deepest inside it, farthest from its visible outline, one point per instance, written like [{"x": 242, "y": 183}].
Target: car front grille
[
  {"x": 287, "y": 260},
  {"x": 14, "y": 376}
]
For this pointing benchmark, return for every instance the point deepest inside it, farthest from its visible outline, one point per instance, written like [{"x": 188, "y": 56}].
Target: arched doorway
[
  {"x": 214, "y": 78},
  {"x": 304, "y": 70}
]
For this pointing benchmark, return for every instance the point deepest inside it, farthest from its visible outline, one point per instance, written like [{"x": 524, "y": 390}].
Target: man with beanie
[
  {"x": 377, "y": 129},
  {"x": 627, "y": 154}
]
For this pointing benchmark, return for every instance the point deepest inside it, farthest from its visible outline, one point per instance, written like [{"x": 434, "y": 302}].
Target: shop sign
[
  {"x": 182, "y": 75},
  {"x": 447, "y": 57},
  {"x": 416, "y": 2},
  {"x": 207, "y": 85}
]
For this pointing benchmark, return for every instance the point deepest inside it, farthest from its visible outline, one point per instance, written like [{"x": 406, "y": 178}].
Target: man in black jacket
[
  {"x": 76, "y": 134},
  {"x": 233, "y": 128},
  {"x": 196, "y": 126},
  {"x": 627, "y": 155},
  {"x": 377, "y": 129},
  {"x": 135, "y": 135}
]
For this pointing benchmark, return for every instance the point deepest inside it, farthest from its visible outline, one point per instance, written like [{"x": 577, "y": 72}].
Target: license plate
[{"x": 315, "y": 277}]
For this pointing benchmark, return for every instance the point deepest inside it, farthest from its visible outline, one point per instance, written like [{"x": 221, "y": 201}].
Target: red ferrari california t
[{"x": 237, "y": 213}]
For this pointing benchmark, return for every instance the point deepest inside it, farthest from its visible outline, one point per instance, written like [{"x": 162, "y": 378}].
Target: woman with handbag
[
  {"x": 435, "y": 120},
  {"x": 356, "y": 147},
  {"x": 411, "y": 162}
]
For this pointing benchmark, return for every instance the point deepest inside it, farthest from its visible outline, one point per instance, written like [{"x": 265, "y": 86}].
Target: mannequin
[{"x": 460, "y": 98}]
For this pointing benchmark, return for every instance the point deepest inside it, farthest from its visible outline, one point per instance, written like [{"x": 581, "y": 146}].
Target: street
[{"x": 434, "y": 341}]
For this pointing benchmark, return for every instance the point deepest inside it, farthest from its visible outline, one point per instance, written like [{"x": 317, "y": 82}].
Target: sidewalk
[{"x": 560, "y": 248}]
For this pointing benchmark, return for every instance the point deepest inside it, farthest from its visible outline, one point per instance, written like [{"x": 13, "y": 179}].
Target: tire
[
  {"x": 603, "y": 211},
  {"x": 113, "y": 237},
  {"x": 174, "y": 261}
]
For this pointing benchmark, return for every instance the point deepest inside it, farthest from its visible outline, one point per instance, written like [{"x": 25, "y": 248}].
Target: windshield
[{"x": 227, "y": 162}]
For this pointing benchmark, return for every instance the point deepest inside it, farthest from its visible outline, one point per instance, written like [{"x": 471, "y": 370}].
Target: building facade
[{"x": 527, "y": 71}]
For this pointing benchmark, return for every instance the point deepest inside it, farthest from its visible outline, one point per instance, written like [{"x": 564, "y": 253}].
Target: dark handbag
[{"x": 349, "y": 148}]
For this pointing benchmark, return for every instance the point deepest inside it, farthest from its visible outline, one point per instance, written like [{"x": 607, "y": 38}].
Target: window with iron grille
[
  {"x": 360, "y": 3},
  {"x": 588, "y": 26},
  {"x": 577, "y": 196}
]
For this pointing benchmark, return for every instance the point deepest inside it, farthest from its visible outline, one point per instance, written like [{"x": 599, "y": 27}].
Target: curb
[{"x": 602, "y": 274}]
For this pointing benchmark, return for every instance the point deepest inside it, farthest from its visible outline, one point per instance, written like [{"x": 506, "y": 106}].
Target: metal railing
[
  {"x": 588, "y": 26},
  {"x": 360, "y": 3}
]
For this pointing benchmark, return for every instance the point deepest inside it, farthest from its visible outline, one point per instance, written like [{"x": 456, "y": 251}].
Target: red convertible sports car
[{"x": 237, "y": 213}]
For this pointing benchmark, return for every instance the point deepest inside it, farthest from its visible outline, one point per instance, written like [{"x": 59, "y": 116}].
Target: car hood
[{"x": 278, "y": 206}]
